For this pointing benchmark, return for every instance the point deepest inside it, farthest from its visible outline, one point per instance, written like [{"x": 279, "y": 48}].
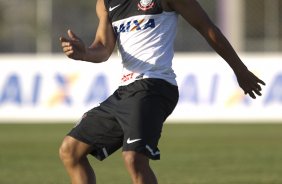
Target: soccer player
[{"x": 132, "y": 117}]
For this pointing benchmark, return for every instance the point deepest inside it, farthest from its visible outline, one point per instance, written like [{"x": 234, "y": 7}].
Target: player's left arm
[{"x": 194, "y": 14}]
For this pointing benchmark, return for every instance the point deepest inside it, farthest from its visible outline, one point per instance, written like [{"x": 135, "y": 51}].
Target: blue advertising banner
[{"x": 54, "y": 88}]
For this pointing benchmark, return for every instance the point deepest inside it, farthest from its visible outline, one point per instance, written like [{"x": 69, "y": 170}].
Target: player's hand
[
  {"x": 73, "y": 46},
  {"x": 250, "y": 83}
]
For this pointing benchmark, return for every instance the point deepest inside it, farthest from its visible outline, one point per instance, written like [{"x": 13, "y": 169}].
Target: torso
[{"x": 145, "y": 38}]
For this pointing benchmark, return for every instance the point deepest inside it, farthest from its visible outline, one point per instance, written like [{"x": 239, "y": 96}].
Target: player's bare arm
[
  {"x": 193, "y": 13},
  {"x": 102, "y": 46}
]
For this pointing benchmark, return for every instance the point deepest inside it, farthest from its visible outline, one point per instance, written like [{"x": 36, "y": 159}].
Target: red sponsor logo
[{"x": 127, "y": 77}]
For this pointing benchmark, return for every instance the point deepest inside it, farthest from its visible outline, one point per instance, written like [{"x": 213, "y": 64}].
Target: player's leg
[
  {"x": 138, "y": 167},
  {"x": 73, "y": 154},
  {"x": 98, "y": 134},
  {"x": 149, "y": 103}
]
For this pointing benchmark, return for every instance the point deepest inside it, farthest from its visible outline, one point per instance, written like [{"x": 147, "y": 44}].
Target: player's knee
[
  {"x": 67, "y": 151},
  {"x": 135, "y": 160}
]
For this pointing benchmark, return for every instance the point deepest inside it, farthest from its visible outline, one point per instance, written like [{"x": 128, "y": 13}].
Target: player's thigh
[
  {"x": 143, "y": 125},
  {"x": 101, "y": 131},
  {"x": 149, "y": 115}
]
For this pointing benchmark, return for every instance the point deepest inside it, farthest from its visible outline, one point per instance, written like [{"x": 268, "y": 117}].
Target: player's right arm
[
  {"x": 101, "y": 48},
  {"x": 194, "y": 14}
]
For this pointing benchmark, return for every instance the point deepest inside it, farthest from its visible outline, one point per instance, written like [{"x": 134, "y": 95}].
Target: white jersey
[{"x": 145, "y": 38}]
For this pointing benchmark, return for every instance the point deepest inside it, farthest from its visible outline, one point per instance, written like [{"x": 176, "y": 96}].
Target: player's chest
[{"x": 122, "y": 9}]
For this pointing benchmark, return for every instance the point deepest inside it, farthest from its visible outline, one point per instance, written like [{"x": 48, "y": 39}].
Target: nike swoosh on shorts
[{"x": 129, "y": 141}]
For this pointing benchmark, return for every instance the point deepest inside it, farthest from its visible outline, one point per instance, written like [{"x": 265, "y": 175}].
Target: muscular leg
[
  {"x": 73, "y": 154},
  {"x": 138, "y": 167}
]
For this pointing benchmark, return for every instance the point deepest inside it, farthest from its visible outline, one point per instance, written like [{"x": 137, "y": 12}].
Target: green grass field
[{"x": 191, "y": 154}]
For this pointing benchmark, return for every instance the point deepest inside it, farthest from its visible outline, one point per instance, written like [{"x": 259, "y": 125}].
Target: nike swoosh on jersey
[
  {"x": 132, "y": 141},
  {"x": 112, "y": 8}
]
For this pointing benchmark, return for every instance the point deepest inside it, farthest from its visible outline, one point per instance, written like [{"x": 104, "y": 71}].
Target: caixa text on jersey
[{"x": 134, "y": 25}]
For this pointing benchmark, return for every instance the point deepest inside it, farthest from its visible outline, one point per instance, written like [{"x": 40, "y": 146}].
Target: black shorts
[{"x": 131, "y": 118}]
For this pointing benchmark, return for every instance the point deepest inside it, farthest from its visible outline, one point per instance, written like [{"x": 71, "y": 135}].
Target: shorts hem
[{"x": 147, "y": 152}]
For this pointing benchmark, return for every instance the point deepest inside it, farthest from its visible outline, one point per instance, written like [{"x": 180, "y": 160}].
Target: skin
[{"x": 74, "y": 153}]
